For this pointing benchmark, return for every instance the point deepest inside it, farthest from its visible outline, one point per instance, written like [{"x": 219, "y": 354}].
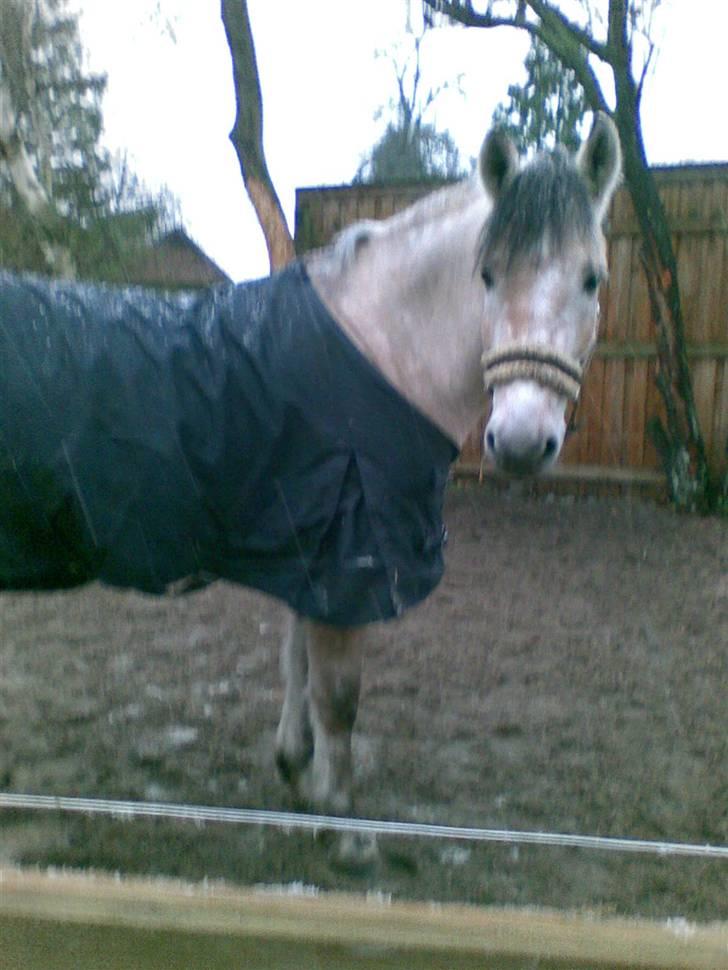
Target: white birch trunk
[{"x": 28, "y": 186}]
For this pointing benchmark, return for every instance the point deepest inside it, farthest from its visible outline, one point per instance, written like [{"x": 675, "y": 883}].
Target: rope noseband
[{"x": 533, "y": 362}]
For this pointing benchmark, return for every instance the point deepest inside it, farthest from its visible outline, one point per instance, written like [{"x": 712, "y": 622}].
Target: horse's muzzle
[
  {"x": 520, "y": 454},
  {"x": 530, "y": 385}
]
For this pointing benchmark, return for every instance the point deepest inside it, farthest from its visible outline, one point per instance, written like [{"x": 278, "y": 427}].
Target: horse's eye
[
  {"x": 591, "y": 282},
  {"x": 487, "y": 277}
]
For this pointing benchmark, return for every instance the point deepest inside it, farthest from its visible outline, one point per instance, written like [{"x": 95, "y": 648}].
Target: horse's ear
[
  {"x": 600, "y": 162},
  {"x": 498, "y": 162}
]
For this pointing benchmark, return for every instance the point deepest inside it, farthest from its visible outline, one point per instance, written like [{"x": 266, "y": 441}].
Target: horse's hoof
[
  {"x": 292, "y": 766},
  {"x": 286, "y": 768}
]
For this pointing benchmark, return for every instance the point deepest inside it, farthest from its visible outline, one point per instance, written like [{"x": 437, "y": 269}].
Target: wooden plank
[
  {"x": 704, "y": 386},
  {"x": 330, "y": 218},
  {"x": 648, "y": 350},
  {"x": 308, "y": 221},
  {"x": 385, "y": 205},
  {"x": 621, "y": 212},
  {"x": 584, "y": 449},
  {"x": 654, "y": 407},
  {"x": 716, "y": 210},
  {"x": 719, "y": 435},
  {"x": 719, "y": 329},
  {"x": 702, "y": 269},
  {"x": 679, "y": 227},
  {"x": 612, "y": 425},
  {"x": 617, "y": 297},
  {"x": 571, "y": 451},
  {"x": 318, "y": 224},
  {"x": 672, "y": 196},
  {"x": 590, "y": 474},
  {"x": 637, "y": 327},
  {"x": 351, "y": 211},
  {"x": 692, "y": 200},
  {"x": 641, "y": 326},
  {"x": 688, "y": 277},
  {"x": 635, "y": 409},
  {"x": 365, "y": 208},
  {"x": 152, "y": 921},
  {"x": 577, "y": 451}
]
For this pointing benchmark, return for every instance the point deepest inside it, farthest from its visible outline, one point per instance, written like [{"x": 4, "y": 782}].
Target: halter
[{"x": 533, "y": 362}]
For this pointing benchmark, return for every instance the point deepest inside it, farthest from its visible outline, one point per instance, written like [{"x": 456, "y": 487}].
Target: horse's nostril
[
  {"x": 490, "y": 441},
  {"x": 550, "y": 447}
]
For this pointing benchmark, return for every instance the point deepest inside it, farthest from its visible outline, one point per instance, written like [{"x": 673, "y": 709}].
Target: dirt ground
[{"x": 569, "y": 675}]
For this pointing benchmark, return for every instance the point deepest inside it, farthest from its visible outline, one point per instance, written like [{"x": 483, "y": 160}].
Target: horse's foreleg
[
  {"x": 334, "y": 680},
  {"x": 322, "y": 671},
  {"x": 294, "y": 739}
]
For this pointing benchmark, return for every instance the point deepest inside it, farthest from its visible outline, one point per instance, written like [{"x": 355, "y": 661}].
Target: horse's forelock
[{"x": 544, "y": 206}]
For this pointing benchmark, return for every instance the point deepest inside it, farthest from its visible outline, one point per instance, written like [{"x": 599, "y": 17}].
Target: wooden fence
[
  {"x": 619, "y": 394},
  {"x": 74, "y": 921}
]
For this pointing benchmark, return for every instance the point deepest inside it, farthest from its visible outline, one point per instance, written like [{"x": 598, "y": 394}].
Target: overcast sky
[{"x": 170, "y": 102}]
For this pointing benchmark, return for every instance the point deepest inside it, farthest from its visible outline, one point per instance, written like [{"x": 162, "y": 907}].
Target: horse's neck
[{"x": 410, "y": 299}]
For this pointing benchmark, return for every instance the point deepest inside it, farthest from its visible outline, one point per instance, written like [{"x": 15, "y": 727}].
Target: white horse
[
  {"x": 294, "y": 434},
  {"x": 489, "y": 285}
]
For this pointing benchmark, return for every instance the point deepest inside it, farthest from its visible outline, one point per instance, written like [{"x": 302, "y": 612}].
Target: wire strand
[{"x": 199, "y": 814}]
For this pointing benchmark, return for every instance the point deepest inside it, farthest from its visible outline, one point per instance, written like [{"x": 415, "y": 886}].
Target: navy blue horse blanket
[{"x": 236, "y": 434}]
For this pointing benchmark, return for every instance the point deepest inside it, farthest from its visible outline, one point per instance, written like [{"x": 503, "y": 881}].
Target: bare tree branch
[
  {"x": 565, "y": 38},
  {"x": 557, "y": 37},
  {"x": 644, "y": 72},
  {"x": 462, "y": 11},
  {"x": 554, "y": 19},
  {"x": 247, "y": 134}
]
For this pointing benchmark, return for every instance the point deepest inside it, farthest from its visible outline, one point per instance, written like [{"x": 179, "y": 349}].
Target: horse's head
[{"x": 542, "y": 259}]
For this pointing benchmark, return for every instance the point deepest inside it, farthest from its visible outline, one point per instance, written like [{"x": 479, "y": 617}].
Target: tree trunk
[
  {"x": 247, "y": 134},
  {"x": 679, "y": 441},
  {"x": 27, "y": 185}
]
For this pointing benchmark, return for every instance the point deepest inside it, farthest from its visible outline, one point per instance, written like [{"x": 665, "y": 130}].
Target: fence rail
[
  {"x": 200, "y": 814},
  {"x": 619, "y": 395},
  {"x": 73, "y": 921}
]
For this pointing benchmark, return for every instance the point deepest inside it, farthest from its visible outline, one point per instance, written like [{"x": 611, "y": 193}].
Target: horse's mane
[{"x": 546, "y": 203}]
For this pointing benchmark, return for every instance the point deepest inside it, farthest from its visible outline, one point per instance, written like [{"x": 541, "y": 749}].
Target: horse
[
  {"x": 490, "y": 285},
  {"x": 295, "y": 434}
]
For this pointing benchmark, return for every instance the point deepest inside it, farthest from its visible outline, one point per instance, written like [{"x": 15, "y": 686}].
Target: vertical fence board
[
  {"x": 618, "y": 293},
  {"x": 654, "y": 408},
  {"x": 719, "y": 436},
  {"x": 704, "y": 380},
  {"x": 635, "y": 413},
  {"x": 719, "y": 329},
  {"x": 612, "y": 431},
  {"x": 593, "y": 417}
]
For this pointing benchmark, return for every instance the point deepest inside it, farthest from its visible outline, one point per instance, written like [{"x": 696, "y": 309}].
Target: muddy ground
[{"x": 569, "y": 675}]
